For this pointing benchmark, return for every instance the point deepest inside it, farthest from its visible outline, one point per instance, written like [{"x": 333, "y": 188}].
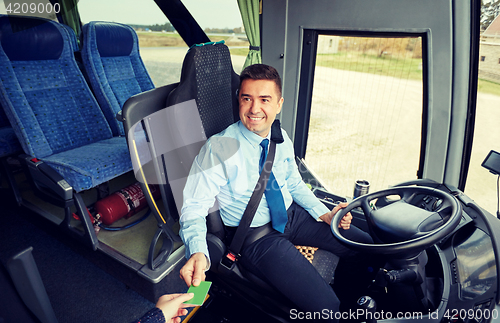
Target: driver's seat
[{"x": 208, "y": 78}]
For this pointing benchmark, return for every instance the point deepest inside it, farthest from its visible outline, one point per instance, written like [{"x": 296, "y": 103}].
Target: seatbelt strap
[{"x": 241, "y": 232}]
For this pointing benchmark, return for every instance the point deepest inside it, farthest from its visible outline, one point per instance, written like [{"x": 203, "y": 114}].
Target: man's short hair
[{"x": 262, "y": 72}]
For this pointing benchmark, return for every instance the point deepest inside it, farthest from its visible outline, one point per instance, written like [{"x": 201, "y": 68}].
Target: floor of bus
[{"x": 80, "y": 290}]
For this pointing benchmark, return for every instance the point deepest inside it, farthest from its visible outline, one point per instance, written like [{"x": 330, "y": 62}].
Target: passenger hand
[
  {"x": 172, "y": 306},
  {"x": 193, "y": 272},
  {"x": 345, "y": 223}
]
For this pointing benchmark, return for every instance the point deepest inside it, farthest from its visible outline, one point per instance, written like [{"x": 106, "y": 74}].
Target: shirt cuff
[
  {"x": 318, "y": 211},
  {"x": 191, "y": 252},
  {"x": 208, "y": 263}
]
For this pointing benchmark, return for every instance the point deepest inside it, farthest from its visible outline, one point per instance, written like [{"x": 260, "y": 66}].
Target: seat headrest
[
  {"x": 28, "y": 39},
  {"x": 113, "y": 39},
  {"x": 208, "y": 77}
]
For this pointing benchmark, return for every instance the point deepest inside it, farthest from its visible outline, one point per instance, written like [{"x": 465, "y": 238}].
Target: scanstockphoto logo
[{"x": 359, "y": 314}]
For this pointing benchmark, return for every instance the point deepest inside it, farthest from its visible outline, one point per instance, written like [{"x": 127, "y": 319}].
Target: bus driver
[{"x": 294, "y": 213}]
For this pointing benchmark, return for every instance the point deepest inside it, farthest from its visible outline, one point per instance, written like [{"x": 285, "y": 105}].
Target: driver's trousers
[{"x": 275, "y": 259}]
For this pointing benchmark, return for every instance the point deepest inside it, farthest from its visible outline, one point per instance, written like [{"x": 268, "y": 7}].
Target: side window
[
  {"x": 229, "y": 28},
  {"x": 366, "y": 111},
  {"x": 481, "y": 185},
  {"x": 162, "y": 48}
]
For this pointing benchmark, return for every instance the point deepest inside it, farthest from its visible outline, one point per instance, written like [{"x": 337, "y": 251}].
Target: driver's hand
[
  {"x": 193, "y": 272},
  {"x": 345, "y": 223}
]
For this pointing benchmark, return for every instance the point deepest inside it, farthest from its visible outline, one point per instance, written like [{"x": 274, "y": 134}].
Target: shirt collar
[{"x": 253, "y": 138}]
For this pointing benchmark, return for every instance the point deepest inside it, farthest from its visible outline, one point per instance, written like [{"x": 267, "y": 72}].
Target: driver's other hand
[
  {"x": 345, "y": 223},
  {"x": 193, "y": 272}
]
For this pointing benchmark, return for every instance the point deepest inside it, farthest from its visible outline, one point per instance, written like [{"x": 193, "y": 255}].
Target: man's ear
[{"x": 280, "y": 104}]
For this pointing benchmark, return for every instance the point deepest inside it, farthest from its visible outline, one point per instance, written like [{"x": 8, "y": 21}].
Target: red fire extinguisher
[{"x": 124, "y": 203}]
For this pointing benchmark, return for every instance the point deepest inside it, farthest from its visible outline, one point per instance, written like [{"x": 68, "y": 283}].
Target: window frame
[{"x": 474, "y": 56}]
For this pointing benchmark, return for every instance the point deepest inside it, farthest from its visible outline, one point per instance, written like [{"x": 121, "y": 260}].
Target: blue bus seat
[
  {"x": 9, "y": 144},
  {"x": 110, "y": 54},
  {"x": 56, "y": 118},
  {"x": 51, "y": 108},
  {"x": 72, "y": 38}
]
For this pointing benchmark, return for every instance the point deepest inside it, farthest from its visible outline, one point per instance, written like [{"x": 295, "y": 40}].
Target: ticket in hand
[{"x": 200, "y": 293}]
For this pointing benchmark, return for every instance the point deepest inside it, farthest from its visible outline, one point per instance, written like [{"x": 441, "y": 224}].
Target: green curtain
[
  {"x": 70, "y": 15},
  {"x": 249, "y": 10}
]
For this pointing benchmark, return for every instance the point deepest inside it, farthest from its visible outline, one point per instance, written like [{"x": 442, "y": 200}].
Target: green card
[{"x": 200, "y": 293}]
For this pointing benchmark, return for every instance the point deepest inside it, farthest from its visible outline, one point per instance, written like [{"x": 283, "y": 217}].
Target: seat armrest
[
  {"x": 45, "y": 177},
  {"x": 216, "y": 250},
  {"x": 215, "y": 225}
]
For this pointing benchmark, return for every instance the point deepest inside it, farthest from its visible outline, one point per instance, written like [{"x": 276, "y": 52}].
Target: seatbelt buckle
[{"x": 229, "y": 259}]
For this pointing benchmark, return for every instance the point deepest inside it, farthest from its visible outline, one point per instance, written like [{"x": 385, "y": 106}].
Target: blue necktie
[{"x": 274, "y": 197}]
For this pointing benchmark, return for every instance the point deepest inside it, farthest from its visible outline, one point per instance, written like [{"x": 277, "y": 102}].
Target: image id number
[
  {"x": 40, "y": 8},
  {"x": 471, "y": 314}
]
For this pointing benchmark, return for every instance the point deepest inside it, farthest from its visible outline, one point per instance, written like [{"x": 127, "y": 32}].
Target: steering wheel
[{"x": 398, "y": 227}]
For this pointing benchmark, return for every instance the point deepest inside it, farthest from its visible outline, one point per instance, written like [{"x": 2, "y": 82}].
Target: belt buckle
[{"x": 229, "y": 259}]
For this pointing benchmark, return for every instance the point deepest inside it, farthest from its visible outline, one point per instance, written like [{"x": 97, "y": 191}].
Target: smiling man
[{"x": 289, "y": 214}]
